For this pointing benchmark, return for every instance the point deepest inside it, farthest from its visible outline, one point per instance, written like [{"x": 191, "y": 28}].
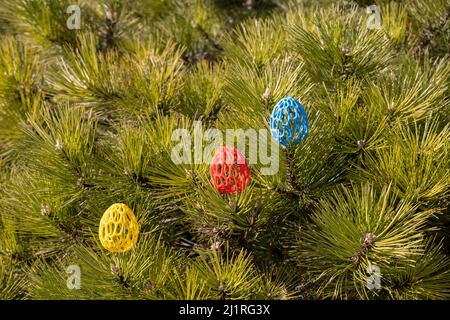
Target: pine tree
[{"x": 86, "y": 121}]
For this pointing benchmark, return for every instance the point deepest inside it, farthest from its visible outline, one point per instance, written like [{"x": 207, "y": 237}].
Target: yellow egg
[{"x": 118, "y": 230}]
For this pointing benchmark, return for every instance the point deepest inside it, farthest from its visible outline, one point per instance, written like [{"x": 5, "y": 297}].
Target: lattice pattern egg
[
  {"x": 288, "y": 122},
  {"x": 118, "y": 230},
  {"x": 229, "y": 170}
]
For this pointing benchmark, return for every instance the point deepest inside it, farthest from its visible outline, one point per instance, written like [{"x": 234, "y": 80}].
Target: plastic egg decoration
[
  {"x": 118, "y": 230},
  {"x": 229, "y": 170},
  {"x": 288, "y": 122}
]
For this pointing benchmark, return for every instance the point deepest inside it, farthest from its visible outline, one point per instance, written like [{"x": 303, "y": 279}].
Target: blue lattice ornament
[{"x": 288, "y": 122}]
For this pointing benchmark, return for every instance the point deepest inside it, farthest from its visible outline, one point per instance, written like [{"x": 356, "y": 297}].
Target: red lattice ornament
[{"x": 229, "y": 170}]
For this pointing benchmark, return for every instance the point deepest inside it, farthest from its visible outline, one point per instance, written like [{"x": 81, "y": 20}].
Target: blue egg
[{"x": 288, "y": 122}]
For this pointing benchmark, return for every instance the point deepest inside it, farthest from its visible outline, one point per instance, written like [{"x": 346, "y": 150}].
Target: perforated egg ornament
[
  {"x": 118, "y": 230},
  {"x": 288, "y": 122},
  {"x": 229, "y": 170}
]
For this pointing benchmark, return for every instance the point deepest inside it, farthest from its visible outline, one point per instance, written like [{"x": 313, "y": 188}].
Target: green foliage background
[{"x": 86, "y": 118}]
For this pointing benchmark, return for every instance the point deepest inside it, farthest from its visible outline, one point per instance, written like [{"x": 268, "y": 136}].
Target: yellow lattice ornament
[{"x": 118, "y": 230}]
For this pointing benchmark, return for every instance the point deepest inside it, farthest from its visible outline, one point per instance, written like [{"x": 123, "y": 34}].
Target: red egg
[{"x": 229, "y": 170}]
